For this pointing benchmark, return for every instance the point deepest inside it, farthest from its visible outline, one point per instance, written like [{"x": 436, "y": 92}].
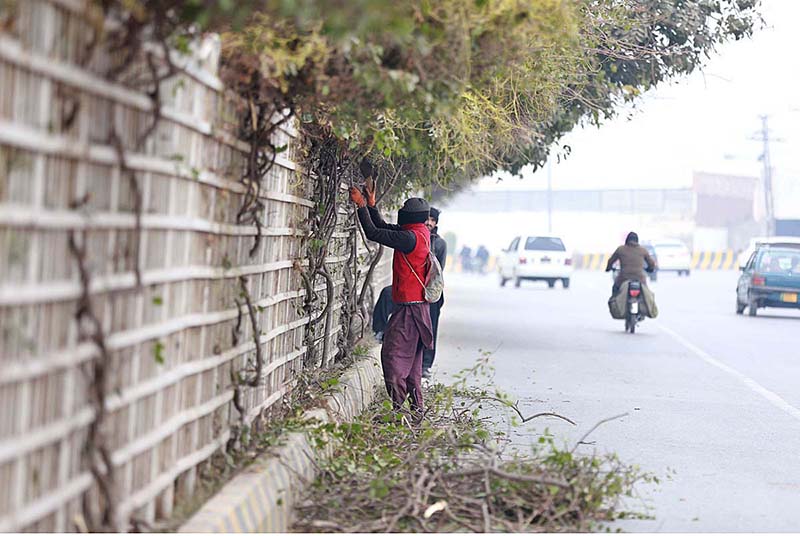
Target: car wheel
[
  {"x": 551, "y": 283},
  {"x": 565, "y": 283},
  {"x": 752, "y": 307},
  {"x": 517, "y": 282}
]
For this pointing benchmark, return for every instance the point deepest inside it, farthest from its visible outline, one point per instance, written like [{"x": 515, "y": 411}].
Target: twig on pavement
[{"x": 596, "y": 426}]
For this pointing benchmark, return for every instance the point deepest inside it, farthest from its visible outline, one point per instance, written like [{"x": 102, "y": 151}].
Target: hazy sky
[{"x": 701, "y": 122}]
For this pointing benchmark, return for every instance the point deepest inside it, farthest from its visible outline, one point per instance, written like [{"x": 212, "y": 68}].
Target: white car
[
  {"x": 745, "y": 255},
  {"x": 673, "y": 256},
  {"x": 536, "y": 258}
]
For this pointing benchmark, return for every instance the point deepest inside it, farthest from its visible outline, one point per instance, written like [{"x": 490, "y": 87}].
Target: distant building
[
  {"x": 725, "y": 211},
  {"x": 717, "y": 212}
]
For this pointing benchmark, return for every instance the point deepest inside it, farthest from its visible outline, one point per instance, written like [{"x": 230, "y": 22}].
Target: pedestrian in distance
[
  {"x": 466, "y": 259},
  {"x": 482, "y": 259},
  {"x": 409, "y": 331}
]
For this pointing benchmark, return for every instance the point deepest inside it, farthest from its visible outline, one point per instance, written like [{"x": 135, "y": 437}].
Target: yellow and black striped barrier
[
  {"x": 592, "y": 261},
  {"x": 714, "y": 260},
  {"x": 701, "y": 260}
]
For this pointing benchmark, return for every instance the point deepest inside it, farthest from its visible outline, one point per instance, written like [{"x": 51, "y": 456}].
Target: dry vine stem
[
  {"x": 323, "y": 168},
  {"x": 258, "y": 126},
  {"x": 133, "y": 35},
  {"x": 136, "y": 191},
  {"x": 97, "y": 450},
  {"x": 255, "y": 380}
]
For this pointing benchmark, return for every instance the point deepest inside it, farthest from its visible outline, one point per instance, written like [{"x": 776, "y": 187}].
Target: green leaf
[
  {"x": 182, "y": 44},
  {"x": 158, "y": 352}
]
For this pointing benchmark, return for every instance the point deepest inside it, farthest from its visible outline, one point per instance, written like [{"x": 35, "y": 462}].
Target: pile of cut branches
[{"x": 451, "y": 473}]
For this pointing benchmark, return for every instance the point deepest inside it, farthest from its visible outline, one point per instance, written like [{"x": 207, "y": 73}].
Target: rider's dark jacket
[{"x": 633, "y": 259}]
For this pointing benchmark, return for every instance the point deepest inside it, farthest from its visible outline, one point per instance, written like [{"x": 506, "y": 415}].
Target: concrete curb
[{"x": 261, "y": 499}]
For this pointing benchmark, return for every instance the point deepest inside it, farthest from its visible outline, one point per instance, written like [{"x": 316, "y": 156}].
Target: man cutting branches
[{"x": 409, "y": 330}]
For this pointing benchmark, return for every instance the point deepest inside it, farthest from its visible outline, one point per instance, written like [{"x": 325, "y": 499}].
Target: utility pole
[
  {"x": 549, "y": 196},
  {"x": 769, "y": 204}
]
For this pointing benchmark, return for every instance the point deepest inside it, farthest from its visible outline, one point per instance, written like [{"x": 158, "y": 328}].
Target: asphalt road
[{"x": 713, "y": 398}]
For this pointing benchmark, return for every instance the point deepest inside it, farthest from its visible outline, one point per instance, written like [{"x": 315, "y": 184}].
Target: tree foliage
[{"x": 449, "y": 90}]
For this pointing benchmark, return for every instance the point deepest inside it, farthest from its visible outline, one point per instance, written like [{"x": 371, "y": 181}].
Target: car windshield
[
  {"x": 542, "y": 243},
  {"x": 779, "y": 261}
]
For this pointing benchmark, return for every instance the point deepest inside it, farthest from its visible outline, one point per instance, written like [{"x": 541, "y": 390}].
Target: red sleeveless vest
[{"x": 405, "y": 287}]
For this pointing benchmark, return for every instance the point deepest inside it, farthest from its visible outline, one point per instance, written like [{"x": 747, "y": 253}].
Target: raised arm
[
  {"x": 378, "y": 220},
  {"x": 398, "y": 239},
  {"x": 374, "y": 213}
]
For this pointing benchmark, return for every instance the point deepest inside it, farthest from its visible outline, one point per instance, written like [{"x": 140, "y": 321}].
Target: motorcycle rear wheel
[{"x": 630, "y": 323}]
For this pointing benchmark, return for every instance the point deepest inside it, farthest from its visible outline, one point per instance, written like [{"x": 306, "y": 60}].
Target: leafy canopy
[{"x": 449, "y": 90}]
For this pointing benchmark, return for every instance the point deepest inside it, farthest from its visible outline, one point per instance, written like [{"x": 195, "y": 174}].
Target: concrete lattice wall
[{"x": 171, "y": 349}]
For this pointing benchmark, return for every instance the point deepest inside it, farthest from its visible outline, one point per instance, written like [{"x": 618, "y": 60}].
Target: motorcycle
[
  {"x": 634, "y": 303},
  {"x": 633, "y": 314}
]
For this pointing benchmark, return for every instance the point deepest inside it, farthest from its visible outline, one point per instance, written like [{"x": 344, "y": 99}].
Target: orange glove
[
  {"x": 356, "y": 197},
  {"x": 369, "y": 191}
]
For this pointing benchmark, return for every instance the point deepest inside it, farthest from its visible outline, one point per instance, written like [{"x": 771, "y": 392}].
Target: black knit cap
[
  {"x": 414, "y": 210},
  {"x": 435, "y": 214}
]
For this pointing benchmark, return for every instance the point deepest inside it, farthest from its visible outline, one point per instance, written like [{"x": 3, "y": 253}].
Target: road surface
[{"x": 713, "y": 398}]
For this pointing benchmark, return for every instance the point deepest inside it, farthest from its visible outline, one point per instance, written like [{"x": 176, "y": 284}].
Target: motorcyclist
[{"x": 634, "y": 260}]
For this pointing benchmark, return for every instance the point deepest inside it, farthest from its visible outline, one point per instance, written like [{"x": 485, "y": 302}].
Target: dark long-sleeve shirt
[
  {"x": 439, "y": 247},
  {"x": 388, "y": 234}
]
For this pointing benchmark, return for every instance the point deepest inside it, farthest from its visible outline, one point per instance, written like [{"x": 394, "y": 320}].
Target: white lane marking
[{"x": 751, "y": 384}]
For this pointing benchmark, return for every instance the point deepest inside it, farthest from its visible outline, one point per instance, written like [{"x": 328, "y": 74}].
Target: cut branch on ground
[{"x": 449, "y": 473}]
